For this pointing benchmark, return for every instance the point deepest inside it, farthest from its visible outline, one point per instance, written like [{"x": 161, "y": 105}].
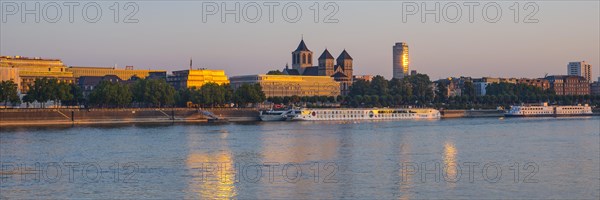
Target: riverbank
[
  {"x": 471, "y": 113},
  {"x": 43, "y": 117},
  {"x": 33, "y": 117}
]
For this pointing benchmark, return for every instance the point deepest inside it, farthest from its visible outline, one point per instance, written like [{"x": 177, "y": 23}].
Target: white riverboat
[
  {"x": 545, "y": 110},
  {"x": 276, "y": 115},
  {"x": 309, "y": 114}
]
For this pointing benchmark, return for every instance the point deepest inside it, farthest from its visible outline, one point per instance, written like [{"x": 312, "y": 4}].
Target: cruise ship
[
  {"x": 545, "y": 110},
  {"x": 308, "y": 114},
  {"x": 276, "y": 115}
]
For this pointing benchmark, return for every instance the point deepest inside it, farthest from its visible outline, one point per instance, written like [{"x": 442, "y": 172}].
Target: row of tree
[
  {"x": 141, "y": 93},
  {"x": 158, "y": 93},
  {"x": 45, "y": 89},
  {"x": 411, "y": 90},
  {"x": 379, "y": 92}
]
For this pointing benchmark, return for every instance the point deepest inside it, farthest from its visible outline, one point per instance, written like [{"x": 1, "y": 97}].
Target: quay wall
[
  {"x": 471, "y": 113},
  {"x": 17, "y": 117}
]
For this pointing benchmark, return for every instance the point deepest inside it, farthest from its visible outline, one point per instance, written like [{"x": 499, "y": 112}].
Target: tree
[
  {"x": 111, "y": 94},
  {"x": 40, "y": 91},
  {"x": 359, "y": 87},
  {"x": 76, "y": 96},
  {"x": 212, "y": 94},
  {"x": 248, "y": 93},
  {"x": 275, "y": 72},
  {"x": 441, "y": 91},
  {"x": 379, "y": 86},
  {"x": 468, "y": 89},
  {"x": 9, "y": 92},
  {"x": 153, "y": 92}
]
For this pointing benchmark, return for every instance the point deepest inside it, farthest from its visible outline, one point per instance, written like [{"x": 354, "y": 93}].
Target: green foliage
[
  {"x": 109, "y": 94},
  {"x": 209, "y": 95},
  {"x": 514, "y": 89},
  {"x": 468, "y": 89},
  {"x": 441, "y": 92},
  {"x": 414, "y": 89},
  {"x": 9, "y": 92},
  {"x": 153, "y": 93},
  {"x": 275, "y": 72},
  {"x": 248, "y": 93},
  {"x": 45, "y": 89}
]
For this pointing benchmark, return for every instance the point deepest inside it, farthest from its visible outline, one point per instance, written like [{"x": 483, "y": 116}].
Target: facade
[
  {"x": 10, "y": 74},
  {"x": 123, "y": 74},
  {"x": 367, "y": 78},
  {"x": 340, "y": 68},
  {"x": 290, "y": 85},
  {"x": 595, "y": 88},
  {"x": 582, "y": 69},
  {"x": 537, "y": 82},
  {"x": 88, "y": 83},
  {"x": 400, "y": 60},
  {"x": 569, "y": 85},
  {"x": 196, "y": 78},
  {"x": 36, "y": 68},
  {"x": 453, "y": 86},
  {"x": 482, "y": 83}
]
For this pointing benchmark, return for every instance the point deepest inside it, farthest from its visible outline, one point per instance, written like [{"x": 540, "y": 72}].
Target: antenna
[{"x": 190, "y": 63}]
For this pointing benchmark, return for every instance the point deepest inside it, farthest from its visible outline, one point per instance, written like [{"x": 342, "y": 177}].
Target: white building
[
  {"x": 582, "y": 69},
  {"x": 401, "y": 60}
]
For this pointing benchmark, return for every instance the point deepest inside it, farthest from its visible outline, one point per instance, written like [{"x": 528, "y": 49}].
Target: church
[{"x": 341, "y": 71}]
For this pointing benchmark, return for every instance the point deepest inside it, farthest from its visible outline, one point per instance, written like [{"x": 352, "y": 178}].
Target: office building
[
  {"x": 582, "y": 69},
  {"x": 30, "y": 69},
  {"x": 196, "y": 78},
  {"x": 10, "y": 74},
  {"x": 123, "y": 74},
  {"x": 367, "y": 78},
  {"x": 481, "y": 84},
  {"x": 290, "y": 85},
  {"x": 537, "y": 82},
  {"x": 400, "y": 60},
  {"x": 569, "y": 85}
]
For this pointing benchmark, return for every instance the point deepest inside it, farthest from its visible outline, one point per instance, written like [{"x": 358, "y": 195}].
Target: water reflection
[
  {"x": 406, "y": 181},
  {"x": 213, "y": 174},
  {"x": 450, "y": 165}
]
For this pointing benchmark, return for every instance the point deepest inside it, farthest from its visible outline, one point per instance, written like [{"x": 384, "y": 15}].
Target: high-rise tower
[
  {"x": 582, "y": 69},
  {"x": 400, "y": 60}
]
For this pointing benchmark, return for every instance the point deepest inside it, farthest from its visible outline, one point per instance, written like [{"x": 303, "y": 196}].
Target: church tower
[
  {"x": 326, "y": 64},
  {"x": 345, "y": 61},
  {"x": 301, "y": 57}
]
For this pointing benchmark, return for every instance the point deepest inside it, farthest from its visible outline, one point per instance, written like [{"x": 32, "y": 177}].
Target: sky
[{"x": 168, "y": 33}]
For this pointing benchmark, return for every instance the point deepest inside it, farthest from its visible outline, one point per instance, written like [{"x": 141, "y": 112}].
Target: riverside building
[
  {"x": 123, "y": 74},
  {"x": 400, "y": 60},
  {"x": 569, "y": 85},
  {"x": 196, "y": 78},
  {"x": 30, "y": 69},
  {"x": 582, "y": 69},
  {"x": 290, "y": 85}
]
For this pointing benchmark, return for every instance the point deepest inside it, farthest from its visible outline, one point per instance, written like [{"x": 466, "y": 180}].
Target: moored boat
[
  {"x": 275, "y": 115},
  {"x": 545, "y": 110},
  {"x": 309, "y": 114}
]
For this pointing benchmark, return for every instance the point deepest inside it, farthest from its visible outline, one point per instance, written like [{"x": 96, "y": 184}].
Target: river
[{"x": 449, "y": 158}]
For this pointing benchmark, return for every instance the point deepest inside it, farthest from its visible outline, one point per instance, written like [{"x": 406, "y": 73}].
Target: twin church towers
[{"x": 341, "y": 71}]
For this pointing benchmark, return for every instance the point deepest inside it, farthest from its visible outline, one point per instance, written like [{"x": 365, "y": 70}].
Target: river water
[{"x": 450, "y": 158}]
